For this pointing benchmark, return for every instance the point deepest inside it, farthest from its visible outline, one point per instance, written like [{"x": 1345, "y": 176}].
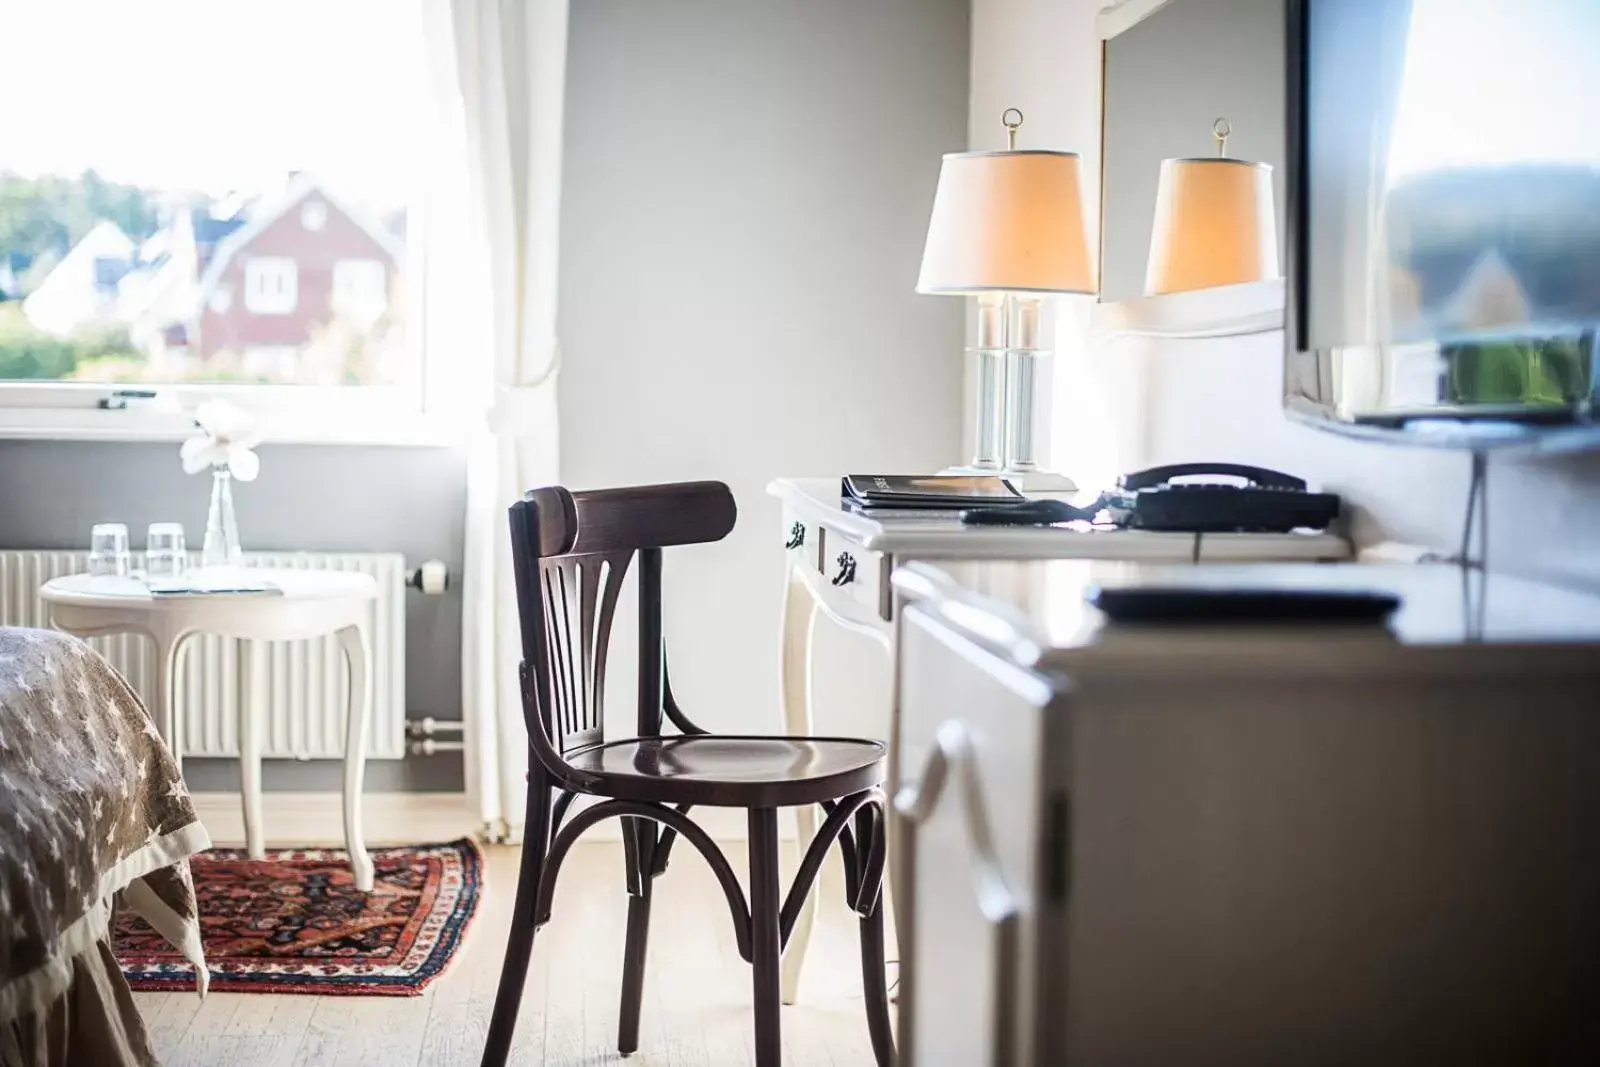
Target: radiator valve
[{"x": 433, "y": 577}]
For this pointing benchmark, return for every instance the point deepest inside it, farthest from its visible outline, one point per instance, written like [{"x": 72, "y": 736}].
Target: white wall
[
  {"x": 745, "y": 198},
  {"x": 1220, "y": 399}
]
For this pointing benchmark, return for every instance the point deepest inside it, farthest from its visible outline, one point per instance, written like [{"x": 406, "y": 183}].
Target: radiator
[{"x": 307, "y": 687}]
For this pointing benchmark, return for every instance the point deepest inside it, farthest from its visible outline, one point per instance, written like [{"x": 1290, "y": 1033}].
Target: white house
[{"x": 82, "y": 290}]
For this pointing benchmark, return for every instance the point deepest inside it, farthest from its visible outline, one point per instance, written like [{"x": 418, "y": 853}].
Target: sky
[
  {"x": 217, "y": 95},
  {"x": 1499, "y": 81}
]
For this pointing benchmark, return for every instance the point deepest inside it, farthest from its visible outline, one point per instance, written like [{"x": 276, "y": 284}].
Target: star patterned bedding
[{"x": 92, "y": 806}]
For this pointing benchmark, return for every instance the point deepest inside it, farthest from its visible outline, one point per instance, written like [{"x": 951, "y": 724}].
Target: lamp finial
[
  {"x": 1221, "y": 130},
  {"x": 1011, "y": 127}
]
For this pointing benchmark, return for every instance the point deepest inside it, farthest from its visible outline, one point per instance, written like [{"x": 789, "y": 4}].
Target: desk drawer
[{"x": 858, "y": 573}]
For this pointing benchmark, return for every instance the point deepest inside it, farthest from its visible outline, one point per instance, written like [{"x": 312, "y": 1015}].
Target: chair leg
[
  {"x": 869, "y": 856},
  {"x": 765, "y": 940},
  {"x": 519, "y": 944},
  {"x": 874, "y": 984},
  {"x": 633, "y": 974},
  {"x": 639, "y": 838}
]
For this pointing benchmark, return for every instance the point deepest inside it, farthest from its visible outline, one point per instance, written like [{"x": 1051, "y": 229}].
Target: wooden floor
[{"x": 696, "y": 1001}]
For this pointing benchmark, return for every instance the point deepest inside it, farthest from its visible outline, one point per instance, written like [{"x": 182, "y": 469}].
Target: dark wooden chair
[{"x": 571, "y": 552}]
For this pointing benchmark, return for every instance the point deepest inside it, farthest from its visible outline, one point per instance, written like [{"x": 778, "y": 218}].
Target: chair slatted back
[
  {"x": 571, "y": 553},
  {"x": 580, "y": 601}
]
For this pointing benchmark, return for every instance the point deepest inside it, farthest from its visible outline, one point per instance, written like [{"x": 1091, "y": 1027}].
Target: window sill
[{"x": 413, "y": 430}]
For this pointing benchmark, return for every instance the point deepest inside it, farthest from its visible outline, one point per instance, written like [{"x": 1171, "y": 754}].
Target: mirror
[{"x": 1171, "y": 70}]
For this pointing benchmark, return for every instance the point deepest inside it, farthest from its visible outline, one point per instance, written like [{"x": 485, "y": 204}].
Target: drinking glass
[
  {"x": 165, "y": 555},
  {"x": 108, "y": 549}
]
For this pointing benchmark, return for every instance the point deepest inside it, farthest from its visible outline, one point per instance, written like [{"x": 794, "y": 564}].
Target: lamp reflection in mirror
[
  {"x": 1008, "y": 228},
  {"x": 1214, "y": 223}
]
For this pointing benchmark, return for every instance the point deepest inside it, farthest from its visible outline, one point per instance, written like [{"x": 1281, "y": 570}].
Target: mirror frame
[{"x": 1227, "y": 311}]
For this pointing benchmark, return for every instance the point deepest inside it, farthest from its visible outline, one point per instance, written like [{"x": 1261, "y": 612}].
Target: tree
[
  {"x": 27, "y": 354},
  {"x": 50, "y": 214}
]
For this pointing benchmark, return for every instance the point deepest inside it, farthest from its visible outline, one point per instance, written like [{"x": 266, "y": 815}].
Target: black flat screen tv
[{"x": 1443, "y": 253}]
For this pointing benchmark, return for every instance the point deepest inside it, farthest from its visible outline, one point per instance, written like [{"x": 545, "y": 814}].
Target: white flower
[{"x": 227, "y": 438}]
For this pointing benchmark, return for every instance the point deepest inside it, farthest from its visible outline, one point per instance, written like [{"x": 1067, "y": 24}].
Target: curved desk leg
[
  {"x": 252, "y": 715},
  {"x": 799, "y": 620},
  {"x": 358, "y": 654}
]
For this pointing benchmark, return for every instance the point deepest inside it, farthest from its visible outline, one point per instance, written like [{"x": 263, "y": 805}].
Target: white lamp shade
[
  {"x": 1007, "y": 221},
  {"x": 1214, "y": 225}
]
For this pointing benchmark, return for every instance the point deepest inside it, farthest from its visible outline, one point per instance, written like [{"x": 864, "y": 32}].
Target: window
[
  {"x": 140, "y": 207},
  {"x": 271, "y": 285},
  {"x": 360, "y": 290},
  {"x": 108, "y": 272}
]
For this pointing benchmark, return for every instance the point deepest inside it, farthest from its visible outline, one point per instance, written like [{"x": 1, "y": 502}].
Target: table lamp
[
  {"x": 1214, "y": 223},
  {"x": 1008, "y": 228}
]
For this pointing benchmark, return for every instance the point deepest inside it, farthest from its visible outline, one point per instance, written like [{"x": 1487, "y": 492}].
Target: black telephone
[
  {"x": 1152, "y": 499},
  {"x": 1269, "y": 500}
]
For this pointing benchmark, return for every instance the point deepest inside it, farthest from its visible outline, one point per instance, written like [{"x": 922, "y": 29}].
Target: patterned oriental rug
[{"x": 295, "y": 923}]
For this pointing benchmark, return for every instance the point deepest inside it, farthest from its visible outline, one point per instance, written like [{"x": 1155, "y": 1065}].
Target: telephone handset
[{"x": 1256, "y": 476}]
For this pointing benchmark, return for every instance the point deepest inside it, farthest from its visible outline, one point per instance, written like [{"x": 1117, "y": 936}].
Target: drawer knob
[
  {"x": 797, "y": 536},
  {"x": 847, "y": 569}
]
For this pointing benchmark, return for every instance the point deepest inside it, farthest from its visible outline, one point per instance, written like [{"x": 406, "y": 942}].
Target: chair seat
[{"x": 729, "y": 771}]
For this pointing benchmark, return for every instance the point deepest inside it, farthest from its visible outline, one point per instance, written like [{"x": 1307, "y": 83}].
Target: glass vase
[{"x": 221, "y": 547}]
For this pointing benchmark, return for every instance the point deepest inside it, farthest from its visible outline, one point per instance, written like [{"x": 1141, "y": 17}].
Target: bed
[{"x": 93, "y": 815}]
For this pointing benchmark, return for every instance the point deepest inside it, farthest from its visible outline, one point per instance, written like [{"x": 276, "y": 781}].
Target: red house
[{"x": 305, "y": 291}]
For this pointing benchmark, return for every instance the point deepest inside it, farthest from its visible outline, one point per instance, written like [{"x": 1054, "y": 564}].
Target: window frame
[
  {"x": 408, "y": 414},
  {"x": 298, "y": 414},
  {"x": 433, "y": 406},
  {"x": 413, "y": 413}
]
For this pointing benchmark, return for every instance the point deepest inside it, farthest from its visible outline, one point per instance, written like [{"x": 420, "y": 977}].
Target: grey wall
[
  {"x": 407, "y": 500},
  {"x": 1166, "y": 81},
  {"x": 745, "y": 199}
]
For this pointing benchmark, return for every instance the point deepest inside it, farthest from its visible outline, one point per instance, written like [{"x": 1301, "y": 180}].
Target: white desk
[
  {"x": 311, "y": 604},
  {"x": 1216, "y": 845},
  {"x": 839, "y": 564}
]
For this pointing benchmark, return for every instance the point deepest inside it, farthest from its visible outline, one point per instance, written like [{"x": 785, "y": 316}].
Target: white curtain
[{"x": 490, "y": 304}]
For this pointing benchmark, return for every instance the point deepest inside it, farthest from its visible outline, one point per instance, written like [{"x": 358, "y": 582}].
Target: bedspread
[{"x": 91, "y": 805}]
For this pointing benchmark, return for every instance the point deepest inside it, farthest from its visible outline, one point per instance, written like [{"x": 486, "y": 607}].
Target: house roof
[
  {"x": 1489, "y": 295},
  {"x": 210, "y": 231},
  {"x": 299, "y": 187}
]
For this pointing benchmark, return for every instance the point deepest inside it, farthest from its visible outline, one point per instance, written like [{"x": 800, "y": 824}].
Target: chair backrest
[{"x": 571, "y": 552}]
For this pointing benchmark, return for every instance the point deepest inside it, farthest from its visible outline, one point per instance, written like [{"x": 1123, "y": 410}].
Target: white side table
[{"x": 312, "y": 604}]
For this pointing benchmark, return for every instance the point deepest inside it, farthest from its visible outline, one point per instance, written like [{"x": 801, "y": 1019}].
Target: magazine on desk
[
  {"x": 212, "y": 583},
  {"x": 928, "y": 497}
]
